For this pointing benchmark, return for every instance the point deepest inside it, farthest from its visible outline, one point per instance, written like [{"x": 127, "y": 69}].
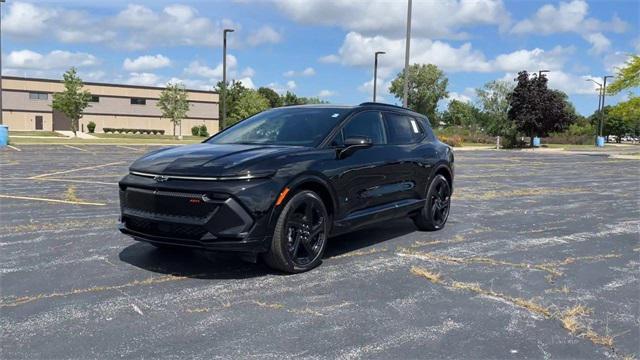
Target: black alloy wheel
[
  {"x": 301, "y": 234},
  {"x": 437, "y": 204}
]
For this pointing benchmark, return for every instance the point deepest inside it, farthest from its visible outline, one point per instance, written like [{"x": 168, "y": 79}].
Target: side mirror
[{"x": 352, "y": 144}]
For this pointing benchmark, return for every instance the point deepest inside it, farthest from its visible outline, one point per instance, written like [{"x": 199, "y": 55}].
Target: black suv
[{"x": 281, "y": 182}]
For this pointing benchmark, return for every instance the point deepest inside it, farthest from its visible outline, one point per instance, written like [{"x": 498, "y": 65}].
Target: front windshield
[{"x": 283, "y": 126}]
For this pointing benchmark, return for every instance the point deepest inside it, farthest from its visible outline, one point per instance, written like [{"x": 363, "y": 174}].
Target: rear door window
[{"x": 403, "y": 129}]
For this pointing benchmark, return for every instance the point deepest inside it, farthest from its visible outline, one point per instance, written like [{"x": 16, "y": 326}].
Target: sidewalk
[{"x": 79, "y": 134}]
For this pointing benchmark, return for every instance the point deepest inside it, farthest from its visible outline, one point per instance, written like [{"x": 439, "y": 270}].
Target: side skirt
[{"x": 376, "y": 214}]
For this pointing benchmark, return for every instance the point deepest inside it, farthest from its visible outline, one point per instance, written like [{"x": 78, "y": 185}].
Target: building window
[
  {"x": 138, "y": 101},
  {"x": 38, "y": 96},
  {"x": 94, "y": 98}
]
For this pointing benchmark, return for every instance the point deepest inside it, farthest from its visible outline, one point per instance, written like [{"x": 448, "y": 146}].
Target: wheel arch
[{"x": 444, "y": 170}]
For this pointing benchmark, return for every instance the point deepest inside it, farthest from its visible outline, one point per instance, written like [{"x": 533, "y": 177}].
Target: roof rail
[{"x": 369, "y": 103}]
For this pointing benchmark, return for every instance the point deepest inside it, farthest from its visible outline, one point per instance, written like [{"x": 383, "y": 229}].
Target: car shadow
[
  {"x": 202, "y": 264},
  {"x": 368, "y": 236}
]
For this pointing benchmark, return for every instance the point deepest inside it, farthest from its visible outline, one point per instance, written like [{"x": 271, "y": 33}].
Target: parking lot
[{"x": 540, "y": 259}]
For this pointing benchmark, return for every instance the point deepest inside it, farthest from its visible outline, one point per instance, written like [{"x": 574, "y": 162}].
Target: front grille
[
  {"x": 165, "y": 229},
  {"x": 166, "y": 203}
]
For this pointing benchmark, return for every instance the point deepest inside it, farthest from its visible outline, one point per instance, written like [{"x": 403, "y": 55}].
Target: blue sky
[{"x": 322, "y": 48}]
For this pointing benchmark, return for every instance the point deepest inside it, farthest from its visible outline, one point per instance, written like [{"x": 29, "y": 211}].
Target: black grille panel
[
  {"x": 166, "y": 203},
  {"x": 165, "y": 229}
]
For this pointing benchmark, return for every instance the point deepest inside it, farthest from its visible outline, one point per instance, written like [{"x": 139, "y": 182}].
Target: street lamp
[
  {"x": 599, "y": 111},
  {"x": 604, "y": 93},
  {"x": 1, "y": 2},
  {"x": 375, "y": 73},
  {"x": 224, "y": 77},
  {"x": 540, "y": 72},
  {"x": 405, "y": 92}
]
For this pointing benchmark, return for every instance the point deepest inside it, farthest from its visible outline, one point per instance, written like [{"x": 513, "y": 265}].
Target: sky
[{"x": 323, "y": 48}]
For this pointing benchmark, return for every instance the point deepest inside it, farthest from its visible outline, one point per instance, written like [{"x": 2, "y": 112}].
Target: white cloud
[
  {"x": 571, "y": 17},
  {"x": 614, "y": 61},
  {"x": 264, "y": 35},
  {"x": 599, "y": 42},
  {"x": 201, "y": 70},
  {"x": 247, "y": 82},
  {"x": 146, "y": 62},
  {"x": 329, "y": 59},
  {"x": 532, "y": 60},
  {"x": 458, "y": 96},
  {"x": 291, "y": 85},
  {"x": 248, "y": 72},
  {"x": 174, "y": 25},
  {"x": 144, "y": 78},
  {"x": 569, "y": 83},
  {"x": 26, "y": 20},
  {"x": 306, "y": 72},
  {"x": 442, "y": 18},
  {"x": 57, "y": 59},
  {"x": 358, "y": 50},
  {"x": 326, "y": 93}
]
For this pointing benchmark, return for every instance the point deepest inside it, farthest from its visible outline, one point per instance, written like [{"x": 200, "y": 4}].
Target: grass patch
[
  {"x": 145, "y": 136},
  {"x": 70, "y": 194},
  {"x": 102, "y": 141},
  {"x": 35, "y": 133},
  {"x": 433, "y": 277}
]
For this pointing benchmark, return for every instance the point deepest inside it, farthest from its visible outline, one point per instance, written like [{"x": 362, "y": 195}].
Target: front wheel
[
  {"x": 300, "y": 235},
  {"x": 435, "y": 212}
]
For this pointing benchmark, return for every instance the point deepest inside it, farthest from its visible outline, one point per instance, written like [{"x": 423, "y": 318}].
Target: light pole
[
  {"x": 1, "y": 2},
  {"x": 604, "y": 93},
  {"x": 599, "y": 111},
  {"x": 375, "y": 73},
  {"x": 540, "y": 72},
  {"x": 405, "y": 92},
  {"x": 224, "y": 77}
]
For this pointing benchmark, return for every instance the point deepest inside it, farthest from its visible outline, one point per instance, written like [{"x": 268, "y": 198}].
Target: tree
[
  {"x": 427, "y": 86},
  {"x": 627, "y": 76},
  {"x": 463, "y": 114},
  {"x": 629, "y": 112},
  {"x": 249, "y": 103},
  {"x": 290, "y": 98},
  {"x": 73, "y": 100},
  {"x": 311, "y": 100},
  {"x": 273, "y": 97},
  {"x": 494, "y": 102},
  {"x": 537, "y": 110},
  {"x": 174, "y": 104}
]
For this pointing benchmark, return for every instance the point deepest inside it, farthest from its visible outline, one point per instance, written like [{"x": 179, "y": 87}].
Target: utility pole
[
  {"x": 375, "y": 73},
  {"x": 604, "y": 93},
  {"x": 1, "y": 120},
  {"x": 224, "y": 78},
  {"x": 599, "y": 111},
  {"x": 405, "y": 93}
]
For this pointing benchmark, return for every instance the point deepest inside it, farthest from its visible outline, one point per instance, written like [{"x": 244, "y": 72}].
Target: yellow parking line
[
  {"x": 77, "y": 148},
  {"x": 79, "y": 169},
  {"x": 51, "y": 200}
]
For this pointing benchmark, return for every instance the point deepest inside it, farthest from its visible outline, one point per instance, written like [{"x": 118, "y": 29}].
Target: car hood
[{"x": 209, "y": 159}]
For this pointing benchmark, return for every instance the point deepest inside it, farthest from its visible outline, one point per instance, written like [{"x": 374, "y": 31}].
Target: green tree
[
  {"x": 249, "y": 103},
  {"x": 627, "y": 76},
  {"x": 629, "y": 112},
  {"x": 174, "y": 104},
  {"x": 274, "y": 98},
  {"x": 290, "y": 98},
  {"x": 462, "y": 114},
  {"x": 427, "y": 86},
  {"x": 311, "y": 100},
  {"x": 494, "y": 102},
  {"x": 537, "y": 110},
  {"x": 73, "y": 100}
]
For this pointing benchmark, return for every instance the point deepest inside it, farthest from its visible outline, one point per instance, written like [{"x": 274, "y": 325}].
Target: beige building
[{"x": 26, "y": 105}]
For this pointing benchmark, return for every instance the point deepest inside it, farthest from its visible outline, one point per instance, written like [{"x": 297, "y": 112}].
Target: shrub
[
  {"x": 453, "y": 140},
  {"x": 203, "y": 131},
  {"x": 91, "y": 126},
  {"x": 195, "y": 130},
  {"x": 467, "y": 135}
]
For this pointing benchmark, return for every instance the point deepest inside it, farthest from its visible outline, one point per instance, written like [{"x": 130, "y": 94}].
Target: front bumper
[{"x": 190, "y": 217}]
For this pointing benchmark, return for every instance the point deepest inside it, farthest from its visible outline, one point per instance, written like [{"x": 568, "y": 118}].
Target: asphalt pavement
[{"x": 540, "y": 259}]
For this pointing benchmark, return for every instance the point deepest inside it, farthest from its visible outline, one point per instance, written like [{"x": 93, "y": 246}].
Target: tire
[
  {"x": 300, "y": 235},
  {"x": 435, "y": 212}
]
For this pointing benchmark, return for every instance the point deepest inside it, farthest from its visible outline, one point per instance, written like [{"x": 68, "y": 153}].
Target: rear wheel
[
  {"x": 300, "y": 235},
  {"x": 435, "y": 212}
]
